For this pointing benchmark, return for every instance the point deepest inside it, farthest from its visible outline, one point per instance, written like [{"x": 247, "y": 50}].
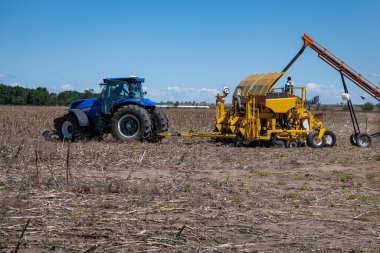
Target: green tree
[
  {"x": 39, "y": 96},
  {"x": 90, "y": 93},
  {"x": 65, "y": 97},
  {"x": 5, "y": 94},
  {"x": 19, "y": 95},
  {"x": 368, "y": 107}
]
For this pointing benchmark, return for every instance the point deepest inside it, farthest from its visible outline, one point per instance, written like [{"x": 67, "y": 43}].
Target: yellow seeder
[{"x": 260, "y": 114}]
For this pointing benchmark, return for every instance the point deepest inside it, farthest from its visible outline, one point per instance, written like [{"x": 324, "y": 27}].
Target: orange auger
[
  {"x": 358, "y": 138},
  {"x": 342, "y": 67}
]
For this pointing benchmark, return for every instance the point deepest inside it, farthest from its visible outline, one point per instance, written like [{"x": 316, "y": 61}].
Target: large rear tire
[
  {"x": 312, "y": 140},
  {"x": 68, "y": 128},
  {"x": 131, "y": 122},
  {"x": 160, "y": 124}
]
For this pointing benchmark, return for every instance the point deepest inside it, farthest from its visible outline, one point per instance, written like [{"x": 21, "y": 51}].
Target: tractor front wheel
[
  {"x": 131, "y": 122},
  {"x": 67, "y": 127},
  {"x": 312, "y": 140}
]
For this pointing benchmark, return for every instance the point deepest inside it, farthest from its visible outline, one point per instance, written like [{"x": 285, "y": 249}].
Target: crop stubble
[{"x": 184, "y": 194}]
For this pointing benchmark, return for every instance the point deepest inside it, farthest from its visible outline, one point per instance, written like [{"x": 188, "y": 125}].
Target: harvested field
[{"x": 184, "y": 195}]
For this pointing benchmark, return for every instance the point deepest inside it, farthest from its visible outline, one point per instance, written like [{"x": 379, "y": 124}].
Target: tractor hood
[
  {"x": 82, "y": 103},
  {"x": 143, "y": 102},
  {"x": 148, "y": 102}
]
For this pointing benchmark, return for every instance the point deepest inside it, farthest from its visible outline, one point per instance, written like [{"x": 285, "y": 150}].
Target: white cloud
[
  {"x": 375, "y": 74},
  {"x": 332, "y": 94},
  {"x": 175, "y": 93},
  {"x": 174, "y": 89},
  {"x": 328, "y": 94},
  {"x": 314, "y": 87},
  {"x": 17, "y": 85},
  {"x": 210, "y": 91},
  {"x": 65, "y": 87}
]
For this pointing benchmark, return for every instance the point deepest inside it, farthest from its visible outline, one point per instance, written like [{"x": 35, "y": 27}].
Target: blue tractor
[{"x": 121, "y": 110}]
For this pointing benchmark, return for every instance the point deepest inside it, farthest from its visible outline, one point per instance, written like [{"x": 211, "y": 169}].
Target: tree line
[{"x": 17, "y": 95}]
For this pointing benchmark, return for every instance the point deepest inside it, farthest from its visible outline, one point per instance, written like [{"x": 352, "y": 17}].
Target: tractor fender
[{"x": 81, "y": 117}]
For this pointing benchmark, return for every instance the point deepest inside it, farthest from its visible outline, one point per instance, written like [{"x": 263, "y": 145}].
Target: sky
[{"x": 186, "y": 50}]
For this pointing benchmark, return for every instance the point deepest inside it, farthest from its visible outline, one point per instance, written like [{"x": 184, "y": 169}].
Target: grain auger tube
[{"x": 357, "y": 138}]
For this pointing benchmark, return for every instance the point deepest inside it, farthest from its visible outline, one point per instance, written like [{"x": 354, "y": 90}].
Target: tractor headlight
[{"x": 226, "y": 91}]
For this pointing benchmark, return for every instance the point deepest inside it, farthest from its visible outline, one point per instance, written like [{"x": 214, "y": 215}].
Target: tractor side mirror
[{"x": 144, "y": 90}]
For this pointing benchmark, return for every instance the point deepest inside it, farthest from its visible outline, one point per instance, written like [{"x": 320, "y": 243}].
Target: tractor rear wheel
[
  {"x": 330, "y": 138},
  {"x": 131, "y": 122},
  {"x": 312, "y": 140},
  {"x": 363, "y": 140},
  {"x": 160, "y": 124},
  {"x": 67, "y": 127}
]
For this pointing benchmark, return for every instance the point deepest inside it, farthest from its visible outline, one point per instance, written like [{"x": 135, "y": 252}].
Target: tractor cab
[{"x": 121, "y": 90}]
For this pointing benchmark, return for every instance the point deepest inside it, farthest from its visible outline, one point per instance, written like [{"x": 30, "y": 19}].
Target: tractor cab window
[
  {"x": 119, "y": 91},
  {"x": 135, "y": 90},
  {"x": 126, "y": 90},
  {"x": 115, "y": 92}
]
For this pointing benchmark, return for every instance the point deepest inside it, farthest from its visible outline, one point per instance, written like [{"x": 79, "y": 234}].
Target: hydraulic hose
[
  {"x": 238, "y": 99},
  {"x": 294, "y": 58}
]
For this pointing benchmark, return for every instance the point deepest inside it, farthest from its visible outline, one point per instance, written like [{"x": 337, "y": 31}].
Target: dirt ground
[{"x": 185, "y": 195}]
